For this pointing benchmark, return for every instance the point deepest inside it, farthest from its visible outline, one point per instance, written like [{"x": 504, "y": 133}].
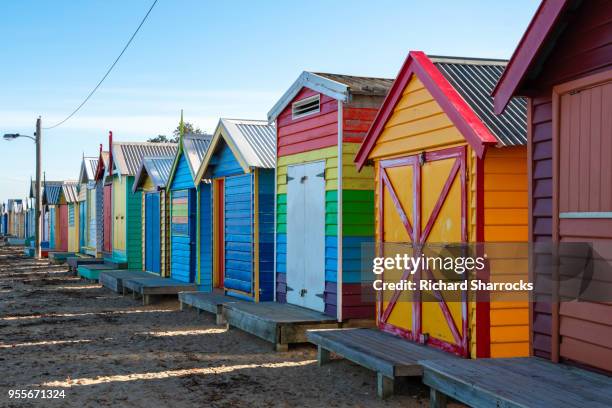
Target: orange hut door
[{"x": 423, "y": 200}]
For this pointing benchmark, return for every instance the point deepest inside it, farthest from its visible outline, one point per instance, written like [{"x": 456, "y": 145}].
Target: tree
[{"x": 188, "y": 128}]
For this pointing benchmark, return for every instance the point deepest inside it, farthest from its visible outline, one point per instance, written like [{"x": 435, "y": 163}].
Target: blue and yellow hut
[{"x": 236, "y": 210}]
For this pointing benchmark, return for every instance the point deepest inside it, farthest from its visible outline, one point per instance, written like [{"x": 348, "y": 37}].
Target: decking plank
[{"x": 518, "y": 382}]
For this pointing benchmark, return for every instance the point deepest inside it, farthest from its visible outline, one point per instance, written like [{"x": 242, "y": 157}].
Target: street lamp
[{"x": 37, "y": 139}]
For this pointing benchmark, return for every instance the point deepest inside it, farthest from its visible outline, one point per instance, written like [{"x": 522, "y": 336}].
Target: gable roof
[
  {"x": 253, "y": 143},
  {"x": 337, "y": 86},
  {"x": 127, "y": 156},
  {"x": 51, "y": 192},
  {"x": 463, "y": 99},
  {"x": 541, "y": 30},
  {"x": 157, "y": 168},
  {"x": 102, "y": 165},
  {"x": 69, "y": 191},
  {"x": 88, "y": 169},
  {"x": 195, "y": 148}
]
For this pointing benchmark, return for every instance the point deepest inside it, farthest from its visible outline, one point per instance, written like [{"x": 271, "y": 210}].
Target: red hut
[{"x": 563, "y": 64}]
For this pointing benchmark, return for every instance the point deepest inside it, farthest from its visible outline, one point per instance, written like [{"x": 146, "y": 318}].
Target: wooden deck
[
  {"x": 515, "y": 382},
  {"x": 60, "y": 257},
  {"x": 113, "y": 278},
  {"x": 155, "y": 286},
  {"x": 209, "y": 302},
  {"x": 389, "y": 356},
  {"x": 75, "y": 261},
  {"x": 92, "y": 272},
  {"x": 279, "y": 323}
]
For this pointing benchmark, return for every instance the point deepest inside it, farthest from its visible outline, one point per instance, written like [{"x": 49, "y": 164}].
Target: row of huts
[
  {"x": 14, "y": 218},
  {"x": 451, "y": 150}
]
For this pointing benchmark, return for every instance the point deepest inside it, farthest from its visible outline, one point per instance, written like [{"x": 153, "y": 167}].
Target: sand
[{"x": 102, "y": 349}]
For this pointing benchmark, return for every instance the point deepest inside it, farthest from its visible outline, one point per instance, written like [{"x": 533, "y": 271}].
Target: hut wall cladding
[
  {"x": 313, "y": 138},
  {"x": 506, "y": 220},
  {"x": 92, "y": 220},
  {"x": 51, "y": 227},
  {"x": 238, "y": 223},
  {"x": 183, "y": 195},
  {"x": 205, "y": 255},
  {"x": 583, "y": 49},
  {"x": 118, "y": 217},
  {"x": 134, "y": 225}
]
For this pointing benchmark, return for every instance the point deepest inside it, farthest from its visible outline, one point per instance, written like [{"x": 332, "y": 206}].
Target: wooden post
[
  {"x": 436, "y": 399},
  {"x": 322, "y": 356},
  {"x": 384, "y": 386}
]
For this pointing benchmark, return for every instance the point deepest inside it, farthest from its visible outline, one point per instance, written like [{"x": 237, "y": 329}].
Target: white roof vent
[{"x": 305, "y": 107}]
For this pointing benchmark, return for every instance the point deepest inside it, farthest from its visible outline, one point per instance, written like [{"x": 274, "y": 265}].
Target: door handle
[{"x": 303, "y": 292}]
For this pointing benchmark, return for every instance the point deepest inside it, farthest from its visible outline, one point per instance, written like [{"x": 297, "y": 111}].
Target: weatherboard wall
[
  {"x": 583, "y": 49},
  {"x": 183, "y": 218}
]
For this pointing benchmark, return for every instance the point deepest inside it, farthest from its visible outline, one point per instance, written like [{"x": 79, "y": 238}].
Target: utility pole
[{"x": 37, "y": 211}]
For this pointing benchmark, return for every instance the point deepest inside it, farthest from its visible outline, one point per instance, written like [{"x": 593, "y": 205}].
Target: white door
[{"x": 306, "y": 235}]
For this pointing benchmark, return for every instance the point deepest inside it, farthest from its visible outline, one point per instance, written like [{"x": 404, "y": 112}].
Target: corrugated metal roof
[
  {"x": 474, "y": 79},
  {"x": 51, "y": 192},
  {"x": 195, "y": 148},
  {"x": 90, "y": 164},
  {"x": 127, "y": 156},
  {"x": 255, "y": 139},
  {"x": 361, "y": 85},
  {"x": 158, "y": 168},
  {"x": 69, "y": 191}
]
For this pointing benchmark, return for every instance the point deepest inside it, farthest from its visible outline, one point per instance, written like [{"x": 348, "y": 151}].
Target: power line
[{"x": 108, "y": 71}]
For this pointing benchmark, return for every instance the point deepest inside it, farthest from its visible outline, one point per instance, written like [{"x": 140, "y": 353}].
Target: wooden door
[
  {"x": 152, "y": 233},
  {"x": 63, "y": 227},
  {"x": 119, "y": 212},
  {"x": 108, "y": 216},
  {"x": 306, "y": 235},
  {"x": 583, "y": 201},
  {"x": 422, "y": 200},
  {"x": 219, "y": 240}
]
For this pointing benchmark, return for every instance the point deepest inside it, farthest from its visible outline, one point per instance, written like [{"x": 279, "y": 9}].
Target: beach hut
[
  {"x": 2, "y": 219},
  {"x": 325, "y": 208},
  {"x": 184, "y": 208},
  {"x": 151, "y": 180},
  {"x": 50, "y": 201},
  {"x": 563, "y": 64},
  {"x": 16, "y": 218},
  {"x": 68, "y": 217},
  {"x": 126, "y": 218},
  {"x": 448, "y": 170},
  {"x": 236, "y": 210},
  {"x": 103, "y": 187},
  {"x": 88, "y": 205}
]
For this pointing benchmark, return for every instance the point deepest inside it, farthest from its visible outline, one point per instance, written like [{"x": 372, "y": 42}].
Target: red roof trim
[
  {"x": 459, "y": 112},
  {"x": 531, "y": 43}
]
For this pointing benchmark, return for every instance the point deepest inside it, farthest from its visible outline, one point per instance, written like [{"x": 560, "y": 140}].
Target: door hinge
[
  {"x": 320, "y": 295},
  {"x": 288, "y": 179},
  {"x": 322, "y": 174},
  {"x": 289, "y": 289}
]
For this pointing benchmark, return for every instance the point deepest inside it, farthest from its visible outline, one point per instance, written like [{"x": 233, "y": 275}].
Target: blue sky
[{"x": 213, "y": 59}]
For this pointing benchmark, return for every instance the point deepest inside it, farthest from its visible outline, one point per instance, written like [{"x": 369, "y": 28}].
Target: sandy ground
[{"x": 102, "y": 349}]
